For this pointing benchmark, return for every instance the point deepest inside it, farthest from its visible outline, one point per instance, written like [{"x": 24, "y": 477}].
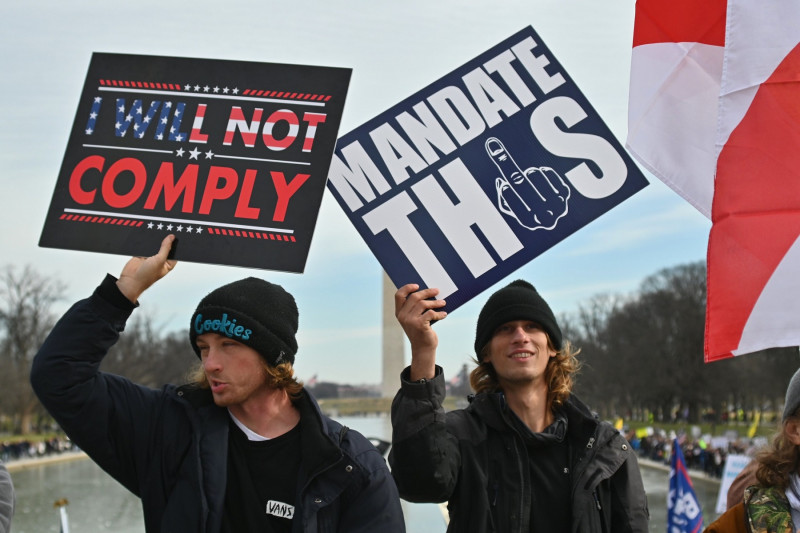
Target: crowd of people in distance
[
  {"x": 26, "y": 449},
  {"x": 703, "y": 454}
]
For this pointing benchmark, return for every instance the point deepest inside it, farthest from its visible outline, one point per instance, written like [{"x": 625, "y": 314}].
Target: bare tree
[
  {"x": 26, "y": 299},
  {"x": 150, "y": 357},
  {"x": 645, "y": 352}
]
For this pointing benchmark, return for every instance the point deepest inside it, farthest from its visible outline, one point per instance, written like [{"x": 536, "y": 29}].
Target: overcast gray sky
[{"x": 394, "y": 49}]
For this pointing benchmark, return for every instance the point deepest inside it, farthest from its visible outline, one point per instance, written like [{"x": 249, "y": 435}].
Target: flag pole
[{"x": 61, "y": 505}]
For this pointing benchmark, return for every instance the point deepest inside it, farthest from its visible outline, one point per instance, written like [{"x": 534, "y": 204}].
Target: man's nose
[
  {"x": 519, "y": 334},
  {"x": 212, "y": 360}
]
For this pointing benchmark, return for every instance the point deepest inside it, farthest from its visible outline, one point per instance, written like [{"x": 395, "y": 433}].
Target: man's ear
[{"x": 792, "y": 430}]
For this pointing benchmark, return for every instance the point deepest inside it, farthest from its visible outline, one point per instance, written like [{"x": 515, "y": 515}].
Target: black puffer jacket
[
  {"x": 170, "y": 446},
  {"x": 473, "y": 459}
]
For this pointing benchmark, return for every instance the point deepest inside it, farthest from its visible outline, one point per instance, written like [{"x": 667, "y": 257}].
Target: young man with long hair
[{"x": 526, "y": 454}]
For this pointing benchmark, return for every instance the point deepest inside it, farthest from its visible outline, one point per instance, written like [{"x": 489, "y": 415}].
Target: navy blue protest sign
[
  {"x": 230, "y": 156},
  {"x": 473, "y": 176}
]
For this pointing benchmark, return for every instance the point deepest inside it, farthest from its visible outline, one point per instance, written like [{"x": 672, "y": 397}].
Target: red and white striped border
[
  {"x": 251, "y": 234},
  {"x": 141, "y": 85},
  {"x": 117, "y": 221},
  {"x": 287, "y": 94}
]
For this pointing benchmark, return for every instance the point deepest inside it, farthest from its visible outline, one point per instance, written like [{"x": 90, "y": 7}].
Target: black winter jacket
[
  {"x": 475, "y": 460},
  {"x": 170, "y": 446}
]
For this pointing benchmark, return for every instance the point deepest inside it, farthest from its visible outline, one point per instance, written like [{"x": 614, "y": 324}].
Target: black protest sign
[{"x": 232, "y": 157}]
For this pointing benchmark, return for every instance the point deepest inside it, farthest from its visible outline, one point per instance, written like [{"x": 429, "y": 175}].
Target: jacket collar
[
  {"x": 320, "y": 441},
  {"x": 493, "y": 410}
]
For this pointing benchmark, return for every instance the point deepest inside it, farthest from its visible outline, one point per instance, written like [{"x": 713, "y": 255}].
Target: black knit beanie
[
  {"x": 257, "y": 313},
  {"x": 518, "y": 300}
]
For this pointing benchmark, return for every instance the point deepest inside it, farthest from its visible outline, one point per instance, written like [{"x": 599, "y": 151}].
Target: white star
[
  {"x": 236, "y": 90},
  {"x": 150, "y": 225},
  {"x": 189, "y": 229},
  {"x": 225, "y": 90},
  {"x": 97, "y": 99},
  {"x": 141, "y": 135},
  {"x": 206, "y": 89},
  {"x": 135, "y": 127},
  {"x": 187, "y": 87},
  {"x": 160, "y": 226},
  {"x": 179, "y": 137},
  {"x": 160, "y": 136},
  {"x": 216, "y": 89},
  {"x": 196, "y": 88},
  {"x": 194, "y": 153},
  {"x": 177, "y": 112},
  {"x": 147, "y": 120},
  {"x": 164, "y": 120},
  {"x": 89, "y": 131},
  {"x": 121, "y": 108},
  {"x": 179, "y": 152},
  {"x": 172, "y": 129},
  {"x": 139, "y": 110},
  {"x": 118, "y": 125},
  {"x": 180, "y": 228},
  {"x": 209, "y": 154},
  {"x": 168, "y": 104},
  {"x": 122, "y": 134},
  {"x": 92, "y": 115},
  {"x": 199, "y": 230},
  {"x": 128, "y": 118},
  {"x": 169, "y": 227}
]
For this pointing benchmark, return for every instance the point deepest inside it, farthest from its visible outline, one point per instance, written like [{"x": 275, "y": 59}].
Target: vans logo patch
[{"x": 280, "y": 509}]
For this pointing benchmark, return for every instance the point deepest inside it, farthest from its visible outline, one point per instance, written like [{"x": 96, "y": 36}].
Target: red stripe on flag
[
  {"x": 680, "y": 21},
  {"x": 756, "y": 211}
]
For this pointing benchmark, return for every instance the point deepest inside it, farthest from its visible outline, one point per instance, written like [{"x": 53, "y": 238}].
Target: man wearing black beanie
[
  {"x": 526, "y": 454},
  {"x": 244, "y": 447}
]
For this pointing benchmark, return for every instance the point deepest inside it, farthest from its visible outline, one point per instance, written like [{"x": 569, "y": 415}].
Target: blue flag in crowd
[{"x": 683, "y": 510}]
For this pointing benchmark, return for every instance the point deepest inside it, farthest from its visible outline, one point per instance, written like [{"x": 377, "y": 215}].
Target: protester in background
[
  {"x": 526, "y": 454},
  {"x": 773, "y": 502},
  {"x": 244, "y": 449},
  {"x": 7, "y": 499}
]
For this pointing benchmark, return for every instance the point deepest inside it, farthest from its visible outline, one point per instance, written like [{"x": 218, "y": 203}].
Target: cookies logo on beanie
[{"x": 223, "y": 326}]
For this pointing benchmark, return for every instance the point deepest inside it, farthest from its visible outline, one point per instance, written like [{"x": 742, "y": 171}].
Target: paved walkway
[{"x": 694, "y": 474}]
